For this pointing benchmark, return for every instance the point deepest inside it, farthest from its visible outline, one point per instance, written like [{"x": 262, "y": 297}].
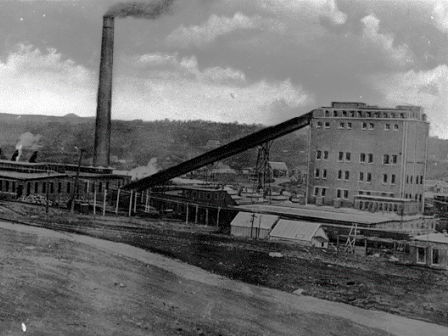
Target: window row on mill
[
  {"x": 363, "y": 157},
  {"x": 349, "y": 125},
  {"x": 322, "y": 192},
  {"x": 365, "y": 114},
  {"x": 362, "y": 176}
]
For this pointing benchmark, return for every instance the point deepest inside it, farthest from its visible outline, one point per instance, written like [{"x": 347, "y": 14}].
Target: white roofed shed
[
  {"x": 304, "y": 233},
  {"x": 252, "y": 225}
]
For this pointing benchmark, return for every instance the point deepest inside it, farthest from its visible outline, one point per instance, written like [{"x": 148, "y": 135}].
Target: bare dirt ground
[
  {"x": 64, "y": 284},
  {"x": 370, "y": 283}
]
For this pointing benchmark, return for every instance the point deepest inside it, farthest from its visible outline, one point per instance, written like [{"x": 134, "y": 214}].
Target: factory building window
[
  {"x": 341, "y": 156},
  {"x": 385, "y": 159},
  {"x": 361, "y": 176},
  {"x": 402, "y": 116},
  {"x": 393, "y": 179},
  {"x": 371, "y": 126},
  {"x": 318, "y": 155},
  {"x": 347, "y": 175},
  {"x": 1, "y": 184},
  {"x": 364, "y": 126},
  {"x": 352, "y": 114},
  {"x": 51, "y": 187},
  {"x": 316, "y": 191},
  {"x": 394, "y": 159},
  {"x": 319, "y": 124},
  {"x": 36, "y": 187},
  {"x": 384, "y": 178},
  {"x": 317, "y": 173},
  {"x": 359, "y": 114},
  {"x": 410, "y": 179},
  {"x": 100, "y": 187},
  {"x": 326, "y": 155},
  {"x": 385, "y": 115},
  {"x": 327, "y": 113},
  {"x": 348, "y": 156},
  {"x": 327, "y": 124},
  {"x": 59, "y": 187},
  {"x": 362, "y": 157},
  {"x": 6, "y": 185},
  {"x": 342, "y": 193},
  {"x": 44, "y": 187},
  {"x": 340, "y": 175},
  {"x": 392, "y": 115},
  {"x": 68, "y": 187},
  {"x": 28, "y": 188},
  {"x": 349, "y": 125},
  {"x": 323, "y": 192},
  {"x": 341, "y": 125},
  {"x": 396, "y": 127},
  {"x": 421, "y": 255},
  {"x": 324, "y": 174},
  {"x": 370, "y": 156},
  {"x": 369, "y": 114},
  {"x": 387, "y": 127},
  {"x": 369, "y": 177},
  {"x": 435, "y": 257},
  {"x": 335, "y": 113},
  {"x": 344, "y": 113}
]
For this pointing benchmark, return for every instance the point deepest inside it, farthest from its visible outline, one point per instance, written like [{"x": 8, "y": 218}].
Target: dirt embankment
[
  {"x": 64, "y": 284},
  {"x": 370, "y": 283}
]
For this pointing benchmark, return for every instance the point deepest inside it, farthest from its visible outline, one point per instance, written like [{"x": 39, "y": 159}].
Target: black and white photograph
[{"x": 224, "y": 167}]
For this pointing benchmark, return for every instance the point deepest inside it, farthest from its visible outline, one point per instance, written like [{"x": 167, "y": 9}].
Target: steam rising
[
  {"x": 144, "y": 171},
  {"x": 151, "y": 10},
  {"x": 29, "y": 140}
]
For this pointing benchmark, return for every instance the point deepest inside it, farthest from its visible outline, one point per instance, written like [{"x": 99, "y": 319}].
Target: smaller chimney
[{"x": 33, "y": 157}]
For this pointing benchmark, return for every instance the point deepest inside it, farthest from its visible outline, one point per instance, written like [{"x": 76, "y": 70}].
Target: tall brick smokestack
[{"x": 101, "y": 154}]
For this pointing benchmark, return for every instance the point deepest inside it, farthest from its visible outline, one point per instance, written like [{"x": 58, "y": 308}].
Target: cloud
[
  {"x": 154, "y": 86},
  {"x": 179, "y": 89},
  {"x": 428, "y": 89},
  {"x": 400, "y": 54},
  {"x": 217, "y": 26},
  {"x": 315, "y": 8},
  {"x": 440, "y": 15},
  {"x": 34, "y": 82}
]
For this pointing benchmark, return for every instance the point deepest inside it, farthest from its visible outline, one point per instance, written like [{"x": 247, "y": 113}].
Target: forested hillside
[{"x": 134, "y": 143}]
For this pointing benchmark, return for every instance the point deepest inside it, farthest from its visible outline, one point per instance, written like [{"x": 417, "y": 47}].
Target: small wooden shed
[
  {"x": 304, "y": 233},
  {"x": 252, "y": 225}
]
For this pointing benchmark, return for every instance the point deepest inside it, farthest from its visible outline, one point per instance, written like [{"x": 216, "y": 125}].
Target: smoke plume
[
  {"x": 144, "y": 171},
  {"x": 151, "y": 10},
  {"x": 29, "y": 140}
]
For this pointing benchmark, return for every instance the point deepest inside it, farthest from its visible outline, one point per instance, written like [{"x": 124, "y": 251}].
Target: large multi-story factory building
[{"x": 368, "y": 157}]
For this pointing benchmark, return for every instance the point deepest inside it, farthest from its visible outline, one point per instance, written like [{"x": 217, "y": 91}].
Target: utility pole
[{"x": 75, "y": 190}]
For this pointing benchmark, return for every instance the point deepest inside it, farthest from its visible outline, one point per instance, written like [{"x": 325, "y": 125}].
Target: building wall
[
  {"x": 358, "y": 132},
  {"x": 416, "y": 249}
]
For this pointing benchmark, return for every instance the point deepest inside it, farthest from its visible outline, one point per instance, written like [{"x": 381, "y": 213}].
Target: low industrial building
[
  {"x": 300, "y": 232},
  {"x": 430, "y": 250}
]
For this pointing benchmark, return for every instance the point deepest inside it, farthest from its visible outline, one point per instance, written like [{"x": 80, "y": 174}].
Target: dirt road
[{"x": 63, "y": 284}]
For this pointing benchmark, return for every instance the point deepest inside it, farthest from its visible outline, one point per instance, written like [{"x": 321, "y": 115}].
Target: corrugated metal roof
[
  {"x": 278, "y": 165},
  {"x": 433, "y": 238},
  {"x": 247, "y": 219},
  {"x": 289, "y": 229},
  {"x": 29, "y": 176},
  {"x": 333, "y": 214}
]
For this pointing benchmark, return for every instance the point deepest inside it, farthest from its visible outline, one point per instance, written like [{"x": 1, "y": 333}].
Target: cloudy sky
[{"x": 250, "y": 61}]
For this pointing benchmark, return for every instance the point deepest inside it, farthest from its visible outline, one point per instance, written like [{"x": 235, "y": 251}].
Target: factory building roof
[
  {"x": 29, "y": 176},
  {"x": 324, "y": 213},
  {"x": 433, "y": 238},
  {"x": 278, "y": 165}
]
